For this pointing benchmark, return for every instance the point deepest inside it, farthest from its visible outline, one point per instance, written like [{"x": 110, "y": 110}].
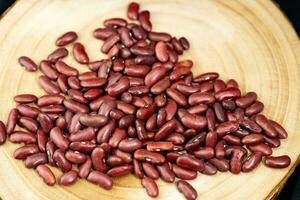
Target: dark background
[{"x": 291, "y": 8}]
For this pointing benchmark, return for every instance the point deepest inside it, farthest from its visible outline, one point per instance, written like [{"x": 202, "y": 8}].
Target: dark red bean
[
  {"x": 187, "y": 190},
  {"x": 209, "y": 169},
  {"x": 120, "y": 170},
  {"x": 220, "y": 149},
  {"x": 42, "y": 140},
  {"x": 266, "y": 125},
  {"x": 182, "y": 173},
  {"x": 22, "y": 137},
  {"x": 253, "y": 161},
  {"x": 232, "y": 140},
  {"x": 93, "y": 120},
  {"x": 211, "y": 139},
  {"x": 159, "y": 36},
  {"x": 117, "y": 136},
  {"x": 144, "y": 18},
  {"x": 221, "y": 164},
  {"x": 204, "y": 153},
  {"x": 219, "y": 85},
  {"x": 176, "y": 138},
  {"x": 46, "y": 174},
  {"x": 227, "y": 127},
  {"x": 28, "y": 123},
  {"x": 115, "y": 22},
  {"x": 149, "y": 156},
  {"x": 236, "y": 161},
  {"x": 27, "y": 111},
  {"x": 97, "y": 157},
  {"x": 66, "y": 38},
  {"x": 252, "y": 139},
  {"x": 105, "y": 132},
  {"x": 85, "y": 168},
  {"x": 3, "y": 133},
  {"x": 27, "y": 63},
  {"x": 35, "y": 160},
  {"x": 83, "y": 135},
  {"x": 255, "y": 108},
  {"x": 194, "y": 121},
  {"x": 195, "y": 141},
  {"x": 206, "y": 77},
  {"x": 282, "y": 134},
  {"x": 165, "y": 130},
  {"x": 133, "y": 11},
  {"x": 25, "y": 151},
  {"x": 75, "y": 106},
  {"x": 150, "y": 170},
  {"x": 75, "y": 157},
  {"x": 68, "y": 178},
  {"x": 160, "y": 86},
  {"x": 228, "y": 93},
  {"x": 219, "y": 112},
  {"x": 210, "y": 116},
  {"x": 100, "y": 179},
  {"x": 48, "y": 85},
  {"x": 261, "y": 147},
  {"x": 150, "y": 186},
  {"x": 80, "y": 54},
  {"x": 247, "y": 100},
  {"x": 201, "y": 98},
  {"x": 159, "y": 146},
  {"x": 25, "y": 98},
  {"x": 130, "y": 145},
  {"x": 190, "y": 162},
  {"x": 184, "y": 43},
  {"x": 110, "y": 42},
  {"x": 59, "y": 140},
  {"x": 85, "y": 146},
  {"x": 53, "y": 57},
  {"x": 45, "y": 122},
  {"x": 65, "y": 69},
  {"x": 278, "y": 162},
  {"x": 177, "y": 97},
  {"x": 161, "y": 52},
  {"x": 188, "y": 90}
]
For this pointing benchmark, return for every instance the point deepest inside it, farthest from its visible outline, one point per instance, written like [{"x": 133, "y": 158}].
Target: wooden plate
[{"x": 250, "y": 41}]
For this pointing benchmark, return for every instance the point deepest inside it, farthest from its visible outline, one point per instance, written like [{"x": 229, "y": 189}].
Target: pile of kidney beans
[{"x": 139, "y": 111}]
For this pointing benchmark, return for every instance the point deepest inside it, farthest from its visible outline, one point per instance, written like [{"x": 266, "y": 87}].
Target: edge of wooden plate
[{"x": 282, "y": 20}]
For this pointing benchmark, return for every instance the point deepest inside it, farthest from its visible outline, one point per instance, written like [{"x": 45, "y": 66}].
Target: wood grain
[{"x": 250, "y": 41}]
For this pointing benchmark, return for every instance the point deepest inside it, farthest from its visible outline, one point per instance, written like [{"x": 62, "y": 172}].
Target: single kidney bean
[
  {"x": 206, "y": 77},
  {"x": 184, "y": 43},
  {"x": 92, "y": 93},
  {"x": 165, "y": 172},
  {"x": 150, "y": 186},
  {"x": 219, "y": 85},
  {"x": 183, "y": 173},
  {"x": 210, "y": 116},
  {"x": 188, "y": 90},
  {"x": 85, "y": 168},
  {"x": 47, "y": 69},
  {"x": 62, "y": 82},
  {"x": 75, "y": 157},
  {"x": 48, "y": 86},
  {"x": 73, "y": 82},
  {"x": 278, "y": 162},
  {"x": 228, "y": 105},
  {"x": 194, "y": 121},
  {"x": 160, "y": 146},
  {"x": 116, "y": 114},
  {"x": 22, "y": 137},
  {"x": 117, "y": 136},
  {"x": 45, "y": 122},
  {"x": 56, "y": 55},
  {"x": 171, "y": 109},
  {"x": 130, "y": 145},
  {"x": 236, "y": 161},
  {"x": 50, "y": 99},
  {"x": 261, "y": 147},
  {"x": 100, "y": 179},
  {"x": 198, "y": 109},
  {"x": 179, "y": 72},
  {"x": 80, "y": 54},
  {"x": 61, "y": 161},
  {"x": 255, "y": 108},
  {"x": 252, "y": 139},
  {"x": 161, "y": 117},
  {"x": 177, "y": 96},
  {"x": 120, "y": 170},
  {"x": 155, "y": 75},
  {"x": 93, "y": 82},
  {"x": 231, "y": 83},
  {"x": 272, "y": 142},
  {"x": 59, "y": 140},
  {"x": 161, "y": 101},
  {"x": 209, "y": 169},
  {"x": 104, "y": 33},
  {"x": 25, "y": 151},
  {"x": 176, "y": 138},
  {"x": 160, "y": 86},
  {"x": 136, "y": 70},
  {"x": 239, "y": 114},
  {"x": 140, "y": 130},
  {"x": 3, "y": 133},
  {"x": 159, "y": 36},
  {"x": 66, "y": 38},
  {"x": 141, "y": 50},
  {"x": 74, "y": 124},
  {"x": 133, "y": 11},
  {"x": 247, "y": 100},
  {"x": 201, "y": 98},
  {"x": 190, "y": 162},
  {"x": 221, "y": 164},
  {"x": 113, "y": 161},
  {"x": 211, "y": 139},
  {"x": 86, "y": 134},
  {"x": 65, "y": 69},
  {"x": 93, "y": 120},
  {"x": 115, "y": 22},
  {"x": 187, "y": 190},
  {"x": 126, "y": 108},
  {"x": 107, "y": 106},
  {"x": 75, "y": 107},
  {"x": 177, "y": 46},
  {"x": 149, "y": 156},
  {"x": 105, "y": 132},
  {"x": 253, "y": 161},
  {"x": 150, "y": 170},
  {"x": 110, "y": 42},
  {"x": 50, "y": 149},
  {"x": 195, "y": 141},
  {"x": 250, "y": 125},
  {"x": 228, "y": 93},
  {"x": 25, "y": 98},
  {"x": 47, "y": 175},
  {"x": 42, "y": 140},
  {"x": 144, "y": 18},
  {"x": 266, "y": 125},
  {"x": 35, "y": 160},
  {"x": 151, "y": 123},
  {"x": 97, "y": 157},
  {"x": 241, "y": 133},
  {"x": 220, "y": 149},
  {"x": 219, "y": 112},
  {"x": 27, "y": 63},
  {"x": 227, "y": 127},
  {"x": 68, "y": 178},
  {"x": 232, "y": 140},
  {"x": 27, "y": 111},
  {"x": 165, "y": 130},
  {"x": 53, "y": 109},
  {"x": 282, "y": 134},
  {"x": 204, "y": 153}
]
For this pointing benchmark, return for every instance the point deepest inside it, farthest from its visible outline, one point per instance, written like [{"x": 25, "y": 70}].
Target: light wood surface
[{"x": 250, "y": 41}]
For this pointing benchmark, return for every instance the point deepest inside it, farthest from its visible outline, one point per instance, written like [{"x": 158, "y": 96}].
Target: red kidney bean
[
  {"x": 65, "y": 69},
  {"x": 187, "y": 190},
  {"x": 144, "y": 113},
  {"x": 161, "y": 101},
  {"x": 282, "y": 134},
  {"x": 195, "y": 142},
  {"x": 272, "y": 142},
  {"x": 66, "y": 38},
  {"x": 211, "y": 139},
  {"x": 47, "y": 69},
  {"x": 253, "y": 161},
  {"x": 75, "y": 106},
  {"x": 73, "y": 82},
  {"x": 46, "y": 174},
  {"x": 184, "y": 43},
  {"x": 176, "y": 138},
  {"x": 255, "y": 108},
  {"x": 113, "y": 161},
  {"x": 172, "y": 156},
  {"x": 25, "y": 151},
  {"x": 59, "y": 140},
  {"x": 48, "y": 86},
  {"x": 161, "y": 117},
  {"x": 206, "y": 87},
  {"x": 144, "y": 18},
  {"x": 177, "y": 96},
  {"x": 82, "y": 135},
  {"x": 53, "y": 109},
  {"x": 201, "y": 98},
  {"x": 266, "y": 125},
  {"x": 228, "y": 93},
  {"x": 250, "y": 125},
  {"x": 206, "y": 77},
  {"x": 209, "y": 169},
  {"x": 120, "y": 170},
  {"x": 150, "y": 170},
  {"x": 210, "y": 116},
  {"x": 188, "y": 90},
  {"x": 28, "y": 123},
  {"x": 140, "y": 130},
  {"x": 68, "y": 178},
  {"x": 247, "y": 100},
  {"x": 221, "y": 164},
  {"x": 231, "y": 83},
  {"x": 232, "y": 140},
  {"x": 150, "y": 186},
  {"x": 194, "y": 121},
  {"x": 133, "y": 11},
  {"x": 110, "y": 42},
  {"x": 204, "y": 153},
  {"x": 45, "y": 122},
  {"x": 149, "y": 156},
  {"x": 25, "y": 98},
  {"x": 165, "y": 172},
  {"x": 240, "y": 133},
  {"x": 55, "y": 56},
  {"x": 92, "y": 93},
  {"x": 97, "y": 157},
  {"x": 42, "y": 140},
  {"x": 106, "y": 106},
  {"x": 278, "y": 162},
  {"x": 50, "y": 99},
  {"x": 159, "y": 146},
  {"x": 62, "y": 83},
  {"x": 130, "y": 145},
  {"x": 189, "y": 162},
  {"x": 151, "y": 123},
  {"x": 104, "y": 33},
  {"x": 159, "y": 36},
  {"x": 27, "y": 63},
  {"x": 155, "y": 75},
  {"x": 105, "y": 132},
  {"x": 93, "y": 82},
  {"x": 138, "y": 170},
  {"x": 100, "y": 179},
  {"x": 219, "y": 112},
  {"x": 219, "y": 85},
  {"x": 252, "y": 139},
  {"x": 263, "y": 148},
  {"x": 228, "y": 105},
  {"x": 27, "y": 111},
  {"x": 182, "y": 173},
  {"x": 227, "y": 127},
  {"x": 161, "y": 52},
  {"x": 35, "y": 160},
  {"x": 115, "y": 22},
  {"x": 137, "y": 70},
  {"x": 22, "y": 137},
  {"x": 50, "y": 149},
  {"x": 220, "y": 149},
  {"x": 142, "y": 50},
  {"x": 160, "y": 86},
  {"x": 236, "y": 161},
  {"x": 74, "y": 124},
  {"x": 85, "y": 168},
  {"x": 176, "y": 45},
  {"x": 117, "y": 136},
  {"x": 179, "y": 72},
  {"x": 93, "y": 120},
  {"x": 3, "y": 133},
  {"x": 80, "y": 54},
  {"x": 75, "y": 157},
  {"x": 165, "y": 130}
]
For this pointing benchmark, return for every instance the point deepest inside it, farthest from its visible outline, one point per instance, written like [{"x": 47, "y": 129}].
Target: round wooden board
[{"x": 250, "y": 41}]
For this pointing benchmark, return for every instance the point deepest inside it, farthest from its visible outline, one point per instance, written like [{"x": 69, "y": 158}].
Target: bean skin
[
  {"x": 100, "y": 179},
  {"x": 187, "y": 190},
  {"x": 253, "y": 161},
  {"x": 278, "y": 162},
  {"x": 150, "y": 186},
  {"x": 68, "y": 178},
  {"x": 45, "y": 172}
]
